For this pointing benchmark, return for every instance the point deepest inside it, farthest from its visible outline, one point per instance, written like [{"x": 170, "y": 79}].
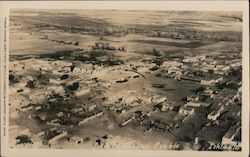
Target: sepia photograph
[
  {"x": 114, "y": 79},
  {"x": 125, "y": 79}
]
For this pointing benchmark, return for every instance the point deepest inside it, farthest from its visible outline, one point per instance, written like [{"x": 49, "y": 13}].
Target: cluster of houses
[
  {"x": 207, "y": 70},
  {"x": 72, "y": 80},
  {"x": 39, "y": 99}
]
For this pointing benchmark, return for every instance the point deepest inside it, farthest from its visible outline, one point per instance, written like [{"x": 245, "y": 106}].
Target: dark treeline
[{"x": 103, "y": 28}]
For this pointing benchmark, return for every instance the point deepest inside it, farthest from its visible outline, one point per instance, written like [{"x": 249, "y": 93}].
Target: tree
[
  {"x": 76, "y": 43},
  {"x": 74, "y": 86},
  {"x": 23, "y": 139},
  {"x": 30, "y": 84},
  {"x": 13, "y": 78},
  {"x": 199, "y": 89},
  {"x": 210, "y": 71}
]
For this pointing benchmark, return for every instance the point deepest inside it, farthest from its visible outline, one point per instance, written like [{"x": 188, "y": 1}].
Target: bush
[
  {"x": 76, "y": 43},
  {"x": 30, "y": 84},
  {"x": 23, "y": 139},
  {"x": 13, "y": 78}
]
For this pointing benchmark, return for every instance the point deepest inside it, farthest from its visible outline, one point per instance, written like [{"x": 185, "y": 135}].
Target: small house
[
  {"x": 186, "y": 110},
  {"x": 232, "y": 136},
  {"x": 213, "y": 115}
]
